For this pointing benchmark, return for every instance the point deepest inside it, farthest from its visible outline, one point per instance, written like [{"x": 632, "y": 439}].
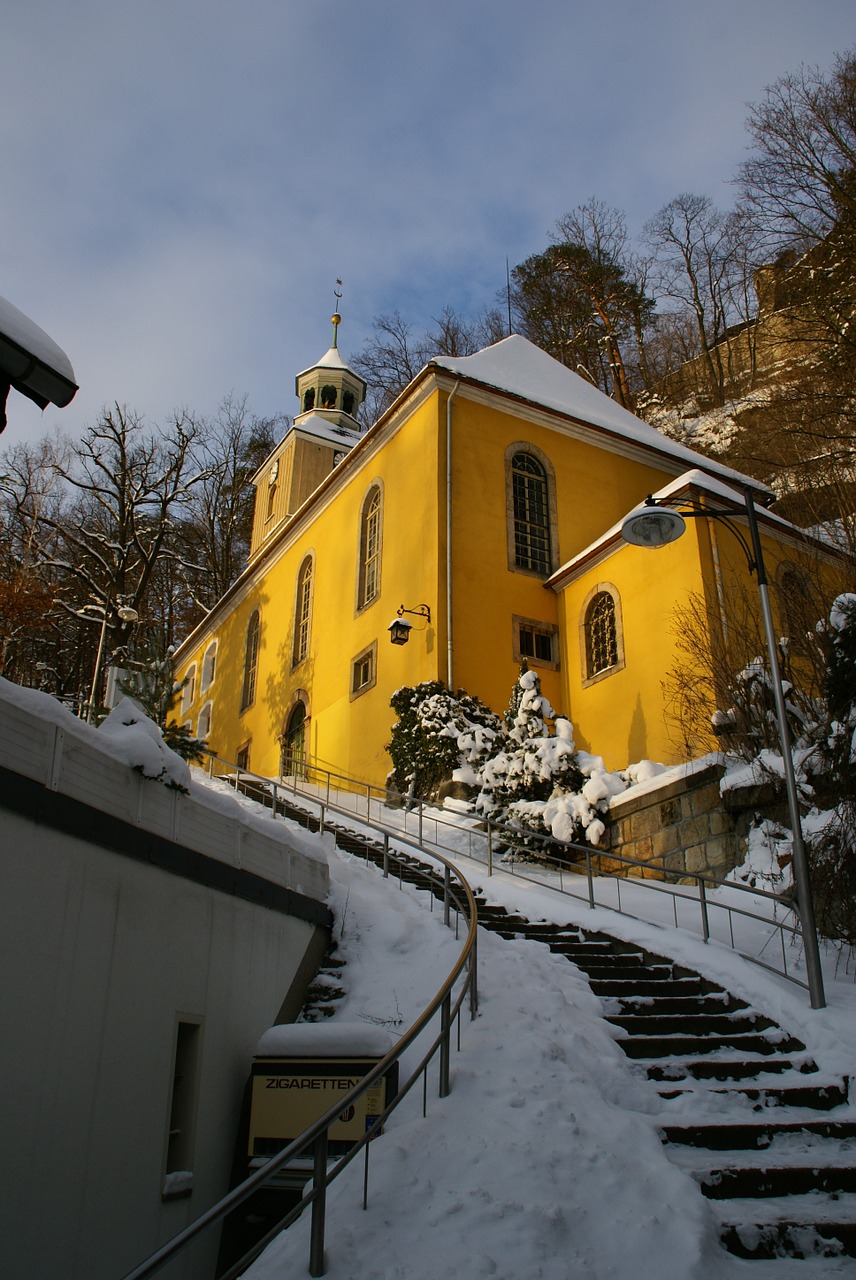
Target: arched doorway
[{"x": 294, "y": 743}]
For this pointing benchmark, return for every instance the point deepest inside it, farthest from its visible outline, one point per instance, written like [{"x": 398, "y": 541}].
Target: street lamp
[
  {"x": 655, "y": 525},
  {"x": 125, "y": 614}
]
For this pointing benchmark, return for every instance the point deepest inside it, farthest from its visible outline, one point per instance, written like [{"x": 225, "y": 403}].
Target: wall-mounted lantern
[{"x": 400, "y": 629}]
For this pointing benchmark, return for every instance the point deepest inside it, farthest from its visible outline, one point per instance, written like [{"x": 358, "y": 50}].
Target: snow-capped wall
[{"x": 112, "y": 771}]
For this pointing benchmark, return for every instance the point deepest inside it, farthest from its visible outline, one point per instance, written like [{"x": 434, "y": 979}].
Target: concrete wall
[{"x": 110, "y": 935}]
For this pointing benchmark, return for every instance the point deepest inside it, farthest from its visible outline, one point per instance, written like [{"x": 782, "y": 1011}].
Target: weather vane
[{"x": 336, "y": 318}]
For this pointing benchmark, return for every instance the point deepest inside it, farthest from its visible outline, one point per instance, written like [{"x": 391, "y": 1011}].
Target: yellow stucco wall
[
  {"x": 594, "y": 488},
  {"x": 624, "y": 714},
  {"x": 343, "y": 733}
]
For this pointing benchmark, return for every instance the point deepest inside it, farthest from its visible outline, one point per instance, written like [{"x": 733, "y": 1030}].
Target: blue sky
[{"x": 184, "y": 180}]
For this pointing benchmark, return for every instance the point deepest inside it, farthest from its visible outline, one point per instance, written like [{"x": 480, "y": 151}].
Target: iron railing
[
  {"x": 444, "y": 1013},
  {"x": 705, "y": 904}
]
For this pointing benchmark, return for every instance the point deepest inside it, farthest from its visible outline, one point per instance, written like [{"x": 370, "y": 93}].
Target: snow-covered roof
[
  {"x": 332, "y": 359},
  {"x": 319, "y": 427},
  {"x": 517, "y": 367},
  {"x": 35, "y": 364}
]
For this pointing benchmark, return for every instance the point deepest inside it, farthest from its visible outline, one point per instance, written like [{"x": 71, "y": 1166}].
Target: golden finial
[{"x": 336, "y": 318}]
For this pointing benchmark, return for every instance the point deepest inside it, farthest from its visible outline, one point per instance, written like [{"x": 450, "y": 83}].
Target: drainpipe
[{"x": 449, "y": 646}]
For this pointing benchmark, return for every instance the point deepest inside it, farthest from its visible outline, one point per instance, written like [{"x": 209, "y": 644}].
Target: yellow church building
[{"x": 475, "y": 524}]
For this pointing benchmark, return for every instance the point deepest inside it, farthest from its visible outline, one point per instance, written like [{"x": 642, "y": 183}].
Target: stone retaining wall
[{"x": 682, "y": 828}]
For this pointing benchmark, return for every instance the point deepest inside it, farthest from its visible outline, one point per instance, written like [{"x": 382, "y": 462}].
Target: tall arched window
[
  {"x": 293, "y": 763},
  {"x": 203, "y": 724},
  {"x": 209, "y": 667},
  {"x": 188, "y": 691},
  {"x": 601, "y": 633},
  {"x": 530, "y": 513},
  {"x": 251, "y": 660},
  {"x": 302, "y": 612},
  {"x": 371, "y": 529}
]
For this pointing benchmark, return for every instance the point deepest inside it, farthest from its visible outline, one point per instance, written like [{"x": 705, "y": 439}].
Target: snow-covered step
[
  {"x": 766, "y": 1135},
  {"x": 810, "y": 1226}
]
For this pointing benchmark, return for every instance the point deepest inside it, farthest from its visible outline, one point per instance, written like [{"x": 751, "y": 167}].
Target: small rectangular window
[
  {"x": 364, "y": 671},
  {"x": 181, "y": 1135},
  {"x": 536, "y": 641}
]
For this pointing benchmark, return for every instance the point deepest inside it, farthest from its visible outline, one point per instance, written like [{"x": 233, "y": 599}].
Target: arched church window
[
  {"x": 531, "y": 513},
  {"x": 370, "y": 548},
  {"x": 203, "y": 724},
  {"x": 294, "y": 743},
  {"x": 302, "y": 612},
  {"x": 328, "y": 396},
  {"x": 348, "y": 401},
  {"x": 209, "y": 667},
  {"x": 601, "y": 634},
  {"x": 251, "y": 660},
  {"x": 188, "y": 691},
  {"x": 308, "y": 399}
]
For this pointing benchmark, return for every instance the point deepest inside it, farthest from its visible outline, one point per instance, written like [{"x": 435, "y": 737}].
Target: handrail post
[
  {"x": 386, "y": 855},
  {"x": 445, "y": 1046},
  {"x": 420, "y": 824},
  {"x": 489, "y": 849},
  {"x": 446, "y": 895},
  {"x": 319, "y": 1205},
  {"x": 474, "y": 979},
  {"x": 590, "y": 878},
  {"x": 702, "y": 897},
  {"x": 274, "y": 798}
]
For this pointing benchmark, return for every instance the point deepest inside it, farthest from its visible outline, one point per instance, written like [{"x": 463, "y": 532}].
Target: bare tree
[
  {"x": 126, "y": 485},
  {"x": 700, "y": 265},
  {"x": 217, "y": 513},
  {"x": 29, "y": 490},
  {"x": 393, "y": 356},
  {"x": 799, "y": 183}
]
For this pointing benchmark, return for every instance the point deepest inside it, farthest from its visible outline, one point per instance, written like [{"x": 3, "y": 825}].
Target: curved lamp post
[
  {"x": 655, "y": 525},
  {"x": 125, "y": 614}
]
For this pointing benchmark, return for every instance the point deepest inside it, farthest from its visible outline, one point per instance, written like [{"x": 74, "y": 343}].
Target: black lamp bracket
[{"x": 421, "y": 611}]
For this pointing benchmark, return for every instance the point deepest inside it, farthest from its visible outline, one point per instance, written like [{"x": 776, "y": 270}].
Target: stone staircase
[{"x": 745, "y": 1110}]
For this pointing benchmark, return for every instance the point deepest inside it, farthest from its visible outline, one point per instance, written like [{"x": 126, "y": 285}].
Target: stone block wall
[{"x": 678, "y": 829}]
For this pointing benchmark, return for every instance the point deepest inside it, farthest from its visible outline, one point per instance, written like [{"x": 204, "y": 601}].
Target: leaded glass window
[
  {"x": 601, "y": 634},
  {"x": 531, "y": 513},
  {"x": 302, "y": 611}
]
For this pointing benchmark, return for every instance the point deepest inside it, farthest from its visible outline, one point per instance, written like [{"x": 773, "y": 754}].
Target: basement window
[{"x": 181, "y": 1135}]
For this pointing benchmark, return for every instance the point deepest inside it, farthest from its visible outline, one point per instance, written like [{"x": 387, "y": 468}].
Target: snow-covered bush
[
  {"x": 438, "y": 735},
  {"x": 538, "y": 781},
  {"x": 831, "y": 826},
  {"x": 769, "y": 860},
  {"x": 139, "y": 742},
  {"x": 152, "y": 686},
  {"x": 750, "y": 724}
]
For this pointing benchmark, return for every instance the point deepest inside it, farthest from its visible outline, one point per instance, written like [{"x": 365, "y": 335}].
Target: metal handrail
[
  {"x": 456, "y": 892},
  {"x": 489, "y": 833}
]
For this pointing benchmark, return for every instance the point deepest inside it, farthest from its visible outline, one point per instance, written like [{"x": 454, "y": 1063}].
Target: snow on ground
[{"x": 544, "y": 1163}]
